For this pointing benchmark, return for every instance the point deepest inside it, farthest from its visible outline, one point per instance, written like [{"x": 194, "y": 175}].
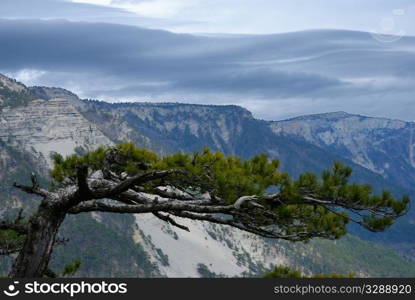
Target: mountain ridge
[
  {"x": 379, "y": 144},
  {"x": 336, "y": 114},
  {"x": 51, "y": 92},
  {"x": 170, "y": 128}
]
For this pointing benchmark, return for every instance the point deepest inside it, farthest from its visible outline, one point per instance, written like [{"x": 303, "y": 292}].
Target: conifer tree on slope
[{"x": 251, "y": 195}]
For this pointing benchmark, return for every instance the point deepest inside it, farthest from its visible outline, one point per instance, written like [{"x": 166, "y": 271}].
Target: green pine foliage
[
  {"x": 286, "y": 272},
  {"x": 230, "y": 177},
  {"x": 10, "y": 240},
  {"x": 14, "y": 99},
  {"x": 72, "y": 268},
  {"x": 283, "y": 272}
]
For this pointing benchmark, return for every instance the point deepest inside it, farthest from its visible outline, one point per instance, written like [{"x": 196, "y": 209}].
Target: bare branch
[
  {"x": 169, "y": 220},
  {"x": 174, "y": 205},
  {"x": 361, "y": 223},
  {"x": 140, "y": 179},
  {"x": 173, "y": 192},
  {"x": 32, "y": 190},
  {"x": 354, "y": 207},
  {"x": 82, "y": 176},
  {"x": 35, "y": 182},
  {"x": 145, "y": 198},
  {"x": 9, "y": 251},
  {"x": 251, "y": 229},
  {"x": 245, "y": 199}
]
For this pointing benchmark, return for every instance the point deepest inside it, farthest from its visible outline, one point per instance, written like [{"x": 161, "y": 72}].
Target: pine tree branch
[
  {"x": 82, "y": 181},
  {"x": 9, "y": 251},
  {"x": 35, "y": 190},
  {"x": 171, "y": 206},
  {"x": 140, "y": 179},
  {"x": 171, "y": 221},
  {"x": 173, "y": 192},
  {"x": 299, "y": 236}
]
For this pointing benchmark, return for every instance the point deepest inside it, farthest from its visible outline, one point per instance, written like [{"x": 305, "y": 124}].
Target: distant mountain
[
  {"x": 378, "y": 149},
  {"x": 176, "y": 127},
  {"x": 384, "y": 146},
  {"x": 45, "y": 120}
]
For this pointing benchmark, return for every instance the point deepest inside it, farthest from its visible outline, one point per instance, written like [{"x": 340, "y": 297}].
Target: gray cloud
[
  {"x": 276, "y": 76},
  {"x": 226, "y": 16},
  {"x": 65, "y": 10},
  {"x": 266, "y": 16},
  {"x": 46, "y": 9}
]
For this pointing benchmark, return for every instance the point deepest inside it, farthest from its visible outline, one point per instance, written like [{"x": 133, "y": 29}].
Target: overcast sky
[
  {"x": 225, "y": 16},
  {"x": 192, "y": 59}
]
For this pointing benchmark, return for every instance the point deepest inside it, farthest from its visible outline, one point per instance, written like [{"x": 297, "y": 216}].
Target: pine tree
[{"x": 251, "y": 195}]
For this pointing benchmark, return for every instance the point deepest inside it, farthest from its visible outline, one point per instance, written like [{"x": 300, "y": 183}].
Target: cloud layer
[
  {"x": 275, "y": 76},
  {"x": 226, "y": 16}
]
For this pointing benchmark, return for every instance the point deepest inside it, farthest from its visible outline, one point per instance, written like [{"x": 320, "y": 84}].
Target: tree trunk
[{"x": 33, "y": 259}]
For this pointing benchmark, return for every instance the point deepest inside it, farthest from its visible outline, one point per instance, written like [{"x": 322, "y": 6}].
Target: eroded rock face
[
  {"x": 382, "y": 145},
  {"x": 45, "y": 126},
  {"x": 11, "y": 84},
  {"x": 175, "y": 126}
]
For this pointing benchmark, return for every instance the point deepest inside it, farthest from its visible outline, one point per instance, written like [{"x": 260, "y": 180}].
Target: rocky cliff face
[
  {"x": 11, "y": 84},
  {"x": 171, "y": 126},
  {"x": 43, "y": 126},
  {"x": 381, "y": 145}
]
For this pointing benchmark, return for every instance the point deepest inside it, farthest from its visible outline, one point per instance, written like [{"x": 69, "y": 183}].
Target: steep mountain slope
[
  {"x": 31, "y": 129},
  {"x": 45, "y": 126},
  {"x": 212, "y": 251},
  {"x": 183, "y": 127},
  {"x": 386, "y": 147},
  {"x": 52, "y": 119},
  {"x": 176, "y": 127}
]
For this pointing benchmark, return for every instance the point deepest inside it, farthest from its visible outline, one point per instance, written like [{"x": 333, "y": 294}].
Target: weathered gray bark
[{"x": 33, "y": 259}]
